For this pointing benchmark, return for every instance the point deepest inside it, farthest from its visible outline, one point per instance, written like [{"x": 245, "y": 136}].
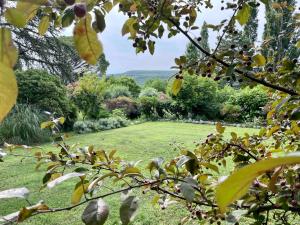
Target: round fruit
[
  {"x": 70, "y": 2},
  {"x": 80, "y": 10}
]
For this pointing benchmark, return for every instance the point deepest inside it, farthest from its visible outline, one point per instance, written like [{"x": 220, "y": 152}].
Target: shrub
[
  {"x": 197, "y": 96},
  {"x": 128, "y": 105},
  {"x": 251, "y": 101},
  {"x": 115, "y": 91},
  {"x": 125, "y": 81},
  {"x": 158, "y": 84},
  {"x": 149, "y": 92},
  {"x": 87, "y": 94},
  {"x": 46, "y": 92},
  {"x": 231, "y": 113},
  {"x": 148, "y": 107},
  {"x": 89, "y": 126},
  {"x": 22, "y": 126}
]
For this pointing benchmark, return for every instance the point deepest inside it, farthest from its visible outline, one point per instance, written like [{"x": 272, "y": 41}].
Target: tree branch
[{"x": 248, "y": 75}]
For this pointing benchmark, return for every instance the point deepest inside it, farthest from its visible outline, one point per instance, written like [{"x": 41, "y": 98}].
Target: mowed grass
[{"x": 139, "y": 142}]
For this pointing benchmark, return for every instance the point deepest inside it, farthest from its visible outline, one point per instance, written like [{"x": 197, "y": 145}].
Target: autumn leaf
[
  {"x": 259, "y": 60},
  {"x": 176, "y": 86},
  {"x": 44, "y": 25},
  {"x": 86, "y": 41},
  {"x": 8, "y": 51},
  {"x": 8, "y": 90}
]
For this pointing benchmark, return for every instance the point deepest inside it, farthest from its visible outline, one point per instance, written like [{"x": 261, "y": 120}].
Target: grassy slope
[{"x": 143, "y": 141}]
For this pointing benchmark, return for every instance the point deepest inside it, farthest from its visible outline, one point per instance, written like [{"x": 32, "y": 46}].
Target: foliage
[
  {"x": 89, "y": 126},
  {"x": 158, "y": 84},
  {"x": 125, "y": 81},
  {"x": 149, "y": 92},
  {"x": 45, "y": 92},
  {"x": 87, "y": 95},
  {"x": 198, "y": 96},
  {"x": 102, "y": 65},
  {"x": 126, "y": 104},
  {"x": 155, "y": 107},
  {"x": 115, "y": 91},
  {"x": 251, "y": 101},
  {"x": 22, "y": 126},
  {"x": 231, "y": 112}
]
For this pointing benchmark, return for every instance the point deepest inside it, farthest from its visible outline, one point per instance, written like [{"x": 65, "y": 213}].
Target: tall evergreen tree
[
  {"x": 192, "y": 53},
  {"x": 280, "y": 24}
]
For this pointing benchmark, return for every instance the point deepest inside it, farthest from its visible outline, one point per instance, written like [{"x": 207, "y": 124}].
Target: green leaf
[
  {"x": 14, "y": 193},
  {"x": 100, "y": 21},
  {"x": 63, "y": 178},
  {"x": 79, "y": 190},
  {"x": 187, "y": 191},
  {"x": 151, "y": 47},
  {"x": 259, "y": 60},
  {"x": 86, "y": 41},
  {"x": 243, "y": 14},
  {"x": 298, "y": 44},
  {"x": 8, "y": 90},
  {"x": 68, "y": 17},
  {"x": 15, "y": 17},
  {"x": 44, "y": 25},
  {"x": 176, "y": 86},
  {"x": 128, "y": 209},
  {"x": 8, "y": 51},
  {"x": 95, "y": 213},
  {"x": 237, "y": 184},
  {"x": 128, "y": 27}
]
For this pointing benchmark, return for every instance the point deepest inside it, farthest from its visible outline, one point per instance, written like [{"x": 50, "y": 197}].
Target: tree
[
  {"x": 102, "y": 66},
  {"x": 264, "y": 181},
  {"x": 192, "y": 53},
  {"x": 279, "y": 30}
]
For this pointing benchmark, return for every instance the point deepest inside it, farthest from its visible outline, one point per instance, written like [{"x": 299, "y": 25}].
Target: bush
[
  {"x": 128, "y": 105},
  {"x": 251, "y": 101},
  {"x": 22, "y": 126},
  {"x": 125, "y": 81},
  {"x": 46, "y": 92},
  {"x": 149, "y": 92},
  {"x": 197, "y": 96},
  {"x": 148, "y": 107},
  {"x": 115, "y": 91},
  {"x": 89, "y": 126},
  {"x": 87, "y": 95},
  {"x": 231, "y": 113},
  {"x": 158, "y": 84}
]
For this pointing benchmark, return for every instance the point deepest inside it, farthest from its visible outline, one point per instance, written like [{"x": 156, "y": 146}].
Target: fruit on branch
[{"x": 80, "y": 10}]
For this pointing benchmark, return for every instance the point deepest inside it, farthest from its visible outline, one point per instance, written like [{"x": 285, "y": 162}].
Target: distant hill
[{"x": 141, "y": 76}]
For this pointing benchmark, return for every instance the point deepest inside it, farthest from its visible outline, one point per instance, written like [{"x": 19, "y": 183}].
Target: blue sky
[{"x": 122, "y": 57}]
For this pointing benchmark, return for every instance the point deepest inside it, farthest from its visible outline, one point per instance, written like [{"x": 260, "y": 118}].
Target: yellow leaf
[
  {"x": 8, "y": 52},
  {"x": 44, "y": 25},
  {"x": 128, "y": 27},
  {"x": 220, "y": 129},
  {"x": 86, "y": 41},
  {"x": 80, "y": 188},
  {"x": 237, "y": 184},
  {"x": 24, "y": 214},
  {"x": 259, "y": 60},
  {"x": 15, "y": 17},
  {"x": 243, "y": 14},
  {"x": 176, "y": 86},
  {"x": 28, "y": 8},
  {"x": 298, "y": 44},
  {"x": 8, "y": 90},
  {"x": 47, "y": 124}
]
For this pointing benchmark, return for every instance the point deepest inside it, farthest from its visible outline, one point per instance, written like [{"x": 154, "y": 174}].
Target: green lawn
[{"x": 144, "y": 141}]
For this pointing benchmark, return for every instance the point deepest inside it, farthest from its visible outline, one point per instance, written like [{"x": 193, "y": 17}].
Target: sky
[{"x": 122, "y": 57}]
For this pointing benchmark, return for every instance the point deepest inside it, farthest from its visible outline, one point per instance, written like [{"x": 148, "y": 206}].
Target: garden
[{"x": 217, "y": 142}]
